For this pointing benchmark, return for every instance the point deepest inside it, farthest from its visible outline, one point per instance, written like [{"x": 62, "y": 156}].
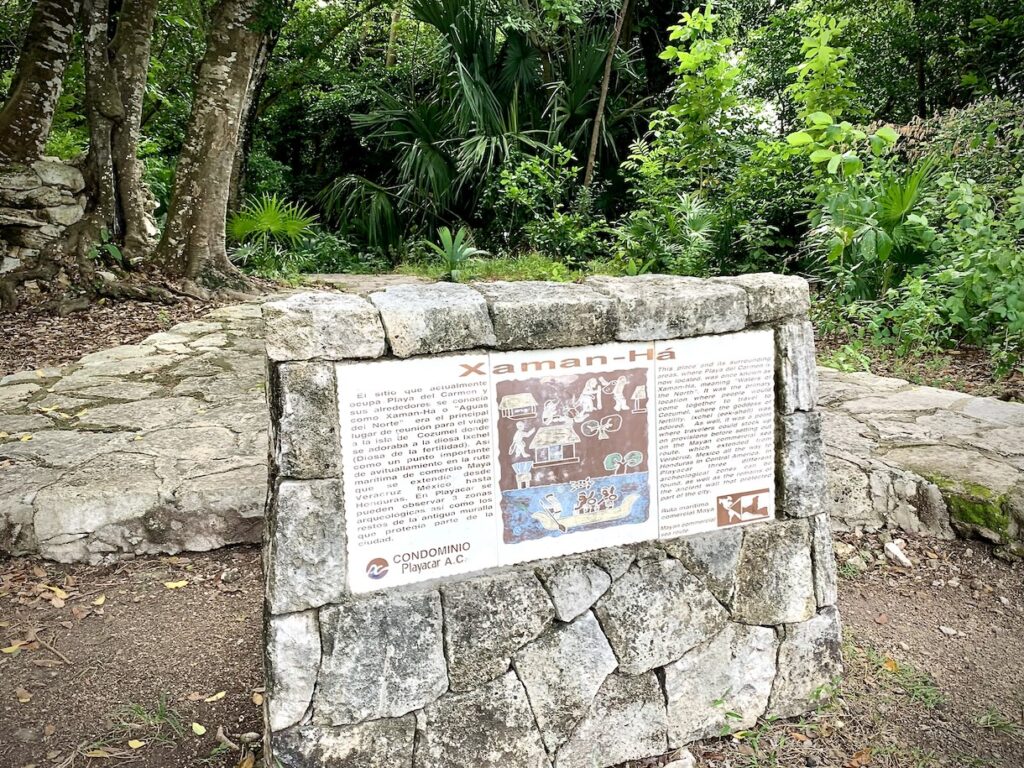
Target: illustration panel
[{"x": 572, "y": 452}]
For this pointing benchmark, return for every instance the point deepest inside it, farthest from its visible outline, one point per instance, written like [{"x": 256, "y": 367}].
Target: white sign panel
[{"x": 465, "y": 462}]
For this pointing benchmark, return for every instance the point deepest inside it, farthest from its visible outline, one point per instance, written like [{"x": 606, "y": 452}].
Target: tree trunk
[
  {"x": 193, "y": 243},
  {"x": 588, "y": 173},
  {"x": 115, "y": 83},
  {"x": 27, "y": 116},
  {"x": 392, "y": 51}
]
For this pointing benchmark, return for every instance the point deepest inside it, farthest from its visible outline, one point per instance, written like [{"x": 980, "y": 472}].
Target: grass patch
[
  {"x": 918, "y": 686},
  {"x": 994, "y": 720},
  {"x": 160, "y": 723}
]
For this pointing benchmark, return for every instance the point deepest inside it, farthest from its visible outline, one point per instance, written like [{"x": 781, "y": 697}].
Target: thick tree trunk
[
  {"x": 193, "y": 243},
  {"x": 391, "y": 56},
  {"x": 28, "y": 114},
  {"x": 588, "y": 173},
  {"x": 115, "y": 83}
]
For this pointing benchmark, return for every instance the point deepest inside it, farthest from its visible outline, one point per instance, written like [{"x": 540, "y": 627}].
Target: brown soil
[{"x": 912, "y": 696}]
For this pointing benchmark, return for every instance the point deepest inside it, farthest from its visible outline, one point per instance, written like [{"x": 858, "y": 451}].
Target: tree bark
[
  {"x": 392, "y": 50},
  {"x": 27, "y": 117},
  {"x": 115, "y": 83},
  {"x": 193, "y": 243},
  {"x": 588, "y": 173}
]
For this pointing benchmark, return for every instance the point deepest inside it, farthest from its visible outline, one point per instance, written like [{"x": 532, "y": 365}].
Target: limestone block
[
  {"x": 428, "y": 319},
  {"x": 305, "y": 553},
  {"x": 823, "y": 557},
  {"x": 710, "y": 556},
  {"x": 797, "y": 372},
  {"x": 537, "y": 315},
  {"x": 307, "y": 441},
  {"x": 58, "y": 174},
  {"x": 850, "y": 497},
  {"x": 489, "y": 727},
  {"x": 487, "y": 620},
  {"x": 626, "y": 721},
  {"x": 574, "y": 585},
  {"x": 655, "y": 613},
  {"x": 562, "y": 671},
  {"x": 382, "y": 657},
  {"x": 731, "y": 673},
  {"x": 329, "y": 326},
  {"x": 670, "y": 307},
  {"x": 802, "y": 487},
  {"x": 810, "y": 656},
  {"x": 375, "y": 744},
  {"x": 63, "y": 215},
  {"x": 614, "y": 560},
  {"x": 774, "y": 577},
  {"x": 772, "y": 297},
  {"x": 293, "y": 646}
]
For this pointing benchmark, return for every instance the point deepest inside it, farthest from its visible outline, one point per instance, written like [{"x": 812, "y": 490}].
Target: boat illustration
[{"x": 552, "y": 517}]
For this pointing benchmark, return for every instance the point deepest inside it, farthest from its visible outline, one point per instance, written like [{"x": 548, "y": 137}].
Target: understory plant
[
  {"x": 270, "y": 232},
  {"x": 454, "y": 251}
]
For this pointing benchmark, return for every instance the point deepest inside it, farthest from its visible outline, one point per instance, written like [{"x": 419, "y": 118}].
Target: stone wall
[
  {"x": 585, "y": 660},
  {"x": 37, "y": 202}
]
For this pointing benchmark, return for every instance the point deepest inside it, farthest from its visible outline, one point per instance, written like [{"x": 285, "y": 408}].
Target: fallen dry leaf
[
  {"x": 23, "y": 696},
  {"x": 176, "y": 584},
  {"x": 248, "y": 761},
  {"x": 100, "y": 600},
  {"x": 215, "y": 697},
  {"x": 136, "y": 744},
  {"x": 257, "y": 699},
  {"x": 198, "y": 729},
  {"x": 891, "y": 665}
]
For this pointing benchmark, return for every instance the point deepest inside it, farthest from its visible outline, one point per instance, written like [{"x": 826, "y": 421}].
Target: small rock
[
  {"x": 894, "y": 553},
  {"x": 947, "y": 631},
  {"x": 107, "y": 277},
  {"x": 954, "y": 583},
  {"x": 685, "y": 759},
  {"x": 938, "y": 583},
  {"x": 843, "y": 550},
  {"x": 857, "y": 563},
  {"x": 904, "y": 646},
  {"x": 1004, "y": 601},
  {"x": 230, "y": 576},
  {"x": 885, "y": 537},
  {"x": 250, "y": 737}
]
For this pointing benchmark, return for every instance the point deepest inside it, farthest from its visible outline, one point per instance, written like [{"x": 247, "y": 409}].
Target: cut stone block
[
  {"x": 710, "y": 556},
  {"x": 651, "y": 307},
  {"x": 383, "y": 656},
  {"x": 536, "y": 315},
  {"x": 826, "y": 581},
  {"x": 308, "y": 446},
  {"x": 574, "y": 585},
  {"x": 731, "y": 673},
  {"x": 774, "y": 578},
  {"x": 293, "y": 642},
  {"x": 375, "y": 744},
  {"x": 305, "y": 554},
  {"x": 772, "y": 297},
  {"x": 802, "y": 485},
  {"x": 428, "y": 319},
  {"x": 810, "y": 657},
  {"x": 328, "y": 326},
  {"x": 798, "y": 373}
]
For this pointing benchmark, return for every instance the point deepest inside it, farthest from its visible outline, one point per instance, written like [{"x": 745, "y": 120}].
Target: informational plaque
[{"x": 462, "y": 462}]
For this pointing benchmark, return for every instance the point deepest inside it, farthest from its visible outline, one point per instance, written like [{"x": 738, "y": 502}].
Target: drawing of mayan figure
[
  {"x": 517, "y": 448},
  {"x": 550, "y": 414},
  {"x": 617, "y": 389},
  {"x": 589, "y": 400}
]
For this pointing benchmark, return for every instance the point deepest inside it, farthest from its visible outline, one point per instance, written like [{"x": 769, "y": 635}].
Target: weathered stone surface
[
  {"x": 670, "y": 307},
  {"x": 308, "y": 445},
  {"x": 803, "y": 488},
  {"x": 797, "y": 373},
  {"x": 614, "y": 560},
  {"x": 17, "y": 393},
  {"x": 428, "y": 319},
  {"x": 655, "y": 613},
  {"x": 293, "y": 650},
  {"x": 329, "y": 326},
  {"x": 774, "y": 577},
  {"x": 823, "y": 558},
  {"x": 487, "y": 620},
  {"x": 489, "y": 727},
  {"x": 626, "y": 721},
  {"x": 536, "y": 315},
  {"x": 772, "y": 297},
  {"x": 375, "y": 744},
  {"x": 574, "y": 585},
  {"x": 57, "y": 174},
  {"x": 810, "y": 656},
  {"x": 732, "y": 672},
  {"x": 382, "y": 657},
  {"x": 305, "y": 553},
  {"x": 145, "y": 414},
  {"x": 712, "y": 557},
  {"x": 562, "y": 671}
]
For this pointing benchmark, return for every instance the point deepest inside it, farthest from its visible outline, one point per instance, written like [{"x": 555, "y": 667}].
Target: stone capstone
[
  {"x": 487, "y": 620},
  {"x": 374, "y": 744},
  {"x": 307, "y": 441},
  {"x": 488, "y": 727},
  {"x": 562, "y": 671},
  {"x": 627, "y": 721},
  {"x": 797, "y": 374},
  {"x": 305, "y": 553},
  {"x": 810, "y": 657},
  {"x": 772, "y": 297},
  {"x": 723, "y": 684},
  {"x": 293, "y": 644},
  {"x": 774, "y": 577},
  {"x": 655, "y": 613},
  {"x": 382, "y": 657},
  {"x": 651, "y": 307},
  {"x": 428, "y": 319},
  {"x": 327, "y": 326},
  {"x": 536, "y": 315}
]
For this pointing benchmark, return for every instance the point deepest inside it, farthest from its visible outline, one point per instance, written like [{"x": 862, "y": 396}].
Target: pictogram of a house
[
  {"x": 521, "y": 406},
  {"x": 555, "y": 444}
]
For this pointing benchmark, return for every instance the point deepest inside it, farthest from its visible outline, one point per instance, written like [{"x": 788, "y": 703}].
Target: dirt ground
[{"x": 163, "y": 655}]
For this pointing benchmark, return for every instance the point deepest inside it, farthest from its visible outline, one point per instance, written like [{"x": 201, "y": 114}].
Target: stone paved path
[{"x": 161, "y": 447}]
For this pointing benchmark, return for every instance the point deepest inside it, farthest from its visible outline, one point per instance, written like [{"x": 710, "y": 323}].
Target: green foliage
[
  {"x": 823, "y": 81},
  {"x": 270, "y": 231},
  {"x": 454, "y": 251}
]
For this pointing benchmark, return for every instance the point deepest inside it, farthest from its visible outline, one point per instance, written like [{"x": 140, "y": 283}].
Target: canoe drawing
[{"x": 551, "y": 516}]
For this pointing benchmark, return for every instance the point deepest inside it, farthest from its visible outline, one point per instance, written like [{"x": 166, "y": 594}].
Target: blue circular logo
[{"x": 377, "y": 568}]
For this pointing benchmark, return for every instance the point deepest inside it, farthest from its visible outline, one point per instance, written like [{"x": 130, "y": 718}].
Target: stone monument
[{"x": 537, "y": 524}]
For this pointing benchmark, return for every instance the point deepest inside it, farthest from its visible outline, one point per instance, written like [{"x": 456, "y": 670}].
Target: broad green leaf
[
  {"x": 800, "y": 139},
  {"x": 820, "y": 118},
  {"x": 821, "y": 155}
]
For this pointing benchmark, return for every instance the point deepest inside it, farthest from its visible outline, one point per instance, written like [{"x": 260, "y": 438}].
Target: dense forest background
[{"x": 877, "y": 147}]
